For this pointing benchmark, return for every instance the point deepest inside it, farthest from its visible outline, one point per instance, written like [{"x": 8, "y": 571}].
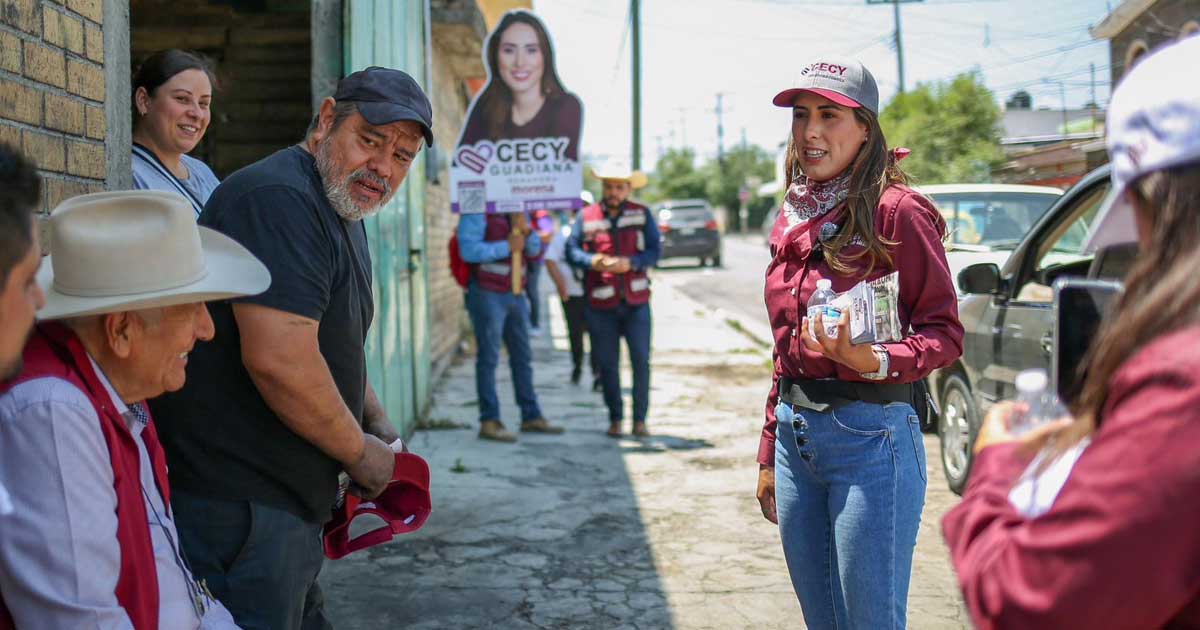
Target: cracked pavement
[{"x": 584, "y": 531}]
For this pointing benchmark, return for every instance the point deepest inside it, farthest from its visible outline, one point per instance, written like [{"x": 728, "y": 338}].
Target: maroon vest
[
  {"x": 605, "y": 290},
  {"x": 55, "y": 351},
  {"x": 497, "y": 275}
]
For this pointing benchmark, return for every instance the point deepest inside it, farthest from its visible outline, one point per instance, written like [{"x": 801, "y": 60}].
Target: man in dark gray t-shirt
[{"x": 279, "y": 403}]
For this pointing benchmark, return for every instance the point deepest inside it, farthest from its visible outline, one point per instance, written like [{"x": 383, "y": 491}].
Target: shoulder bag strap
[{"x": 148, "y": 157}]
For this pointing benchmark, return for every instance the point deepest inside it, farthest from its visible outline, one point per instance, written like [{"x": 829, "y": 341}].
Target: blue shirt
[
  {"x": 200, "y": 182},
  {"x": 642, "y": 260},
  {"x": 472, "y": 247}
]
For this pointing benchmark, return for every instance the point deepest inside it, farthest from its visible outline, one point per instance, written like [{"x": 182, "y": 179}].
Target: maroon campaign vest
[
  {"x": 605, "y": 290},
  {"x": 497, "y": 275},
  {"x": 55, "y": 351}
]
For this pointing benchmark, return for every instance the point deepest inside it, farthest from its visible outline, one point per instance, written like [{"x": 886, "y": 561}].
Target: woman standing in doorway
[
  {"x": 842, "y": 462},
  {"x": 172, "y": 96}
]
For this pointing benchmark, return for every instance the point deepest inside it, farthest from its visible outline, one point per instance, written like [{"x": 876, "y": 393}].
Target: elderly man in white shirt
[{"x": 92, "y": 542}]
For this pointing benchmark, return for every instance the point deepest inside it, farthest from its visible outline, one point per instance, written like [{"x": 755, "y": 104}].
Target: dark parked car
[
  {"x": 1006, "y": 312},
  {"x": 689, "y": 228}
]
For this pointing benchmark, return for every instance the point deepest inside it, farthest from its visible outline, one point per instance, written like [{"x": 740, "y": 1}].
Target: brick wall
[
  {"x": 52, "y": 91},
  {"x": 1161, "y": 23},
  {"x": 445, "y": 297}
]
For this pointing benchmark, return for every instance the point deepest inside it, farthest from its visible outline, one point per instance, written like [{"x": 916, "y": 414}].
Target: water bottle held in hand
[
  {"x": 821, "y": 303},
  {"x": 1036, "y": 404}
]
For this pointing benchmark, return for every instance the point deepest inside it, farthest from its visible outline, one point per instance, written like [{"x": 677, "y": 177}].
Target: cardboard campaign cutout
[{"x": 519, "y": 149}]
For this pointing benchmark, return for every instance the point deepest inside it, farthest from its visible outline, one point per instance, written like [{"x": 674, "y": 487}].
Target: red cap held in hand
[{"x": 405, "y": 505}]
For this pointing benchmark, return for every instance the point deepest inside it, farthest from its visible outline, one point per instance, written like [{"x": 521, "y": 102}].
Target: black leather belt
[{"x": 822, "y": 395}]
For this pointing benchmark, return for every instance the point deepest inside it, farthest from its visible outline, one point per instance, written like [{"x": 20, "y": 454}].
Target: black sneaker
[
  {"x": 597, "y": 385},
  {"x": 576, "y": 374}
]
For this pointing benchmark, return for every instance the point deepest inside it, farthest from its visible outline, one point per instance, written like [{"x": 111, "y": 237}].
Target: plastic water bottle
[
  {"x": 821, "y": 303},
  {"x": 1036, "y": 404}
]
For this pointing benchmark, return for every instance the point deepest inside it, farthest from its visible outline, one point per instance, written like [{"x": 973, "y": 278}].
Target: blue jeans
[
  {"x": 261, "y": 562},
  {"x": 606, "y": 328},
  {"x": 849, "y": 489},
  {"x": 533, "y": 271},
  {"x": 500, "y": 317}
]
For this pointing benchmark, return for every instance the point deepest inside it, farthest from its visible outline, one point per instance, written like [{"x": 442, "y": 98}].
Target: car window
[
  {"x": 685, "y": 214},
  {"x": 996, "y": 220},
  {"x": 1064, "y": 245}
]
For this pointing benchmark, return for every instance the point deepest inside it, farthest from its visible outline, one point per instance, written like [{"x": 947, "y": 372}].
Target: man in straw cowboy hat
[
  {"x": 279, "y": 404},
  {"x": 616, "y": 241},
  {"x": 92, "y": 540}
]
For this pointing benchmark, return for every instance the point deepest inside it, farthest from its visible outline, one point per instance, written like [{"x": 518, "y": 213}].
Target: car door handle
[{"x": 1048, "y": 344}]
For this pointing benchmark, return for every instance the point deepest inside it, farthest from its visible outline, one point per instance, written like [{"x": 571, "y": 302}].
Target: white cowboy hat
[
  {"x": 131, "y": 250},
  {"x": 619, "y": 171}
]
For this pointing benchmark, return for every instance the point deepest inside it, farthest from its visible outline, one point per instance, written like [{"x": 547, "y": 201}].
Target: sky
[{"x": 748, "y": 50}]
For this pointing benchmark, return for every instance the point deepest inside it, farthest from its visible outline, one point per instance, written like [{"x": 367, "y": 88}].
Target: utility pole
[
  {"x": 899, "y": 43},
  {"x": 720, "y": 130},
  {"x": 1062, "y": 95},
  {"x": 635, "y": 31},
  {"x": 898, "y": 39},
  {"x": 1095, "y": 105}
]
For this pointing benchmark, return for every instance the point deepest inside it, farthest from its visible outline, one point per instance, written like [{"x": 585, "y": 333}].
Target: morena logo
[{"x": 830, "y": 68}]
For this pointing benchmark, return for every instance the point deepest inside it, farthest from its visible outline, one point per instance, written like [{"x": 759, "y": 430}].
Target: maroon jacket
[
  {"x": 54, "y": 351},
  {"x": 1120, "y": 546},
  {"x": 928, "y": 302}
]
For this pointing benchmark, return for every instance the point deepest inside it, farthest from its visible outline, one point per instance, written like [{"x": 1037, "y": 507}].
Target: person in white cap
[
  {"x": 92, "y": 541},
  {"x": 1117, "y": 547},
  {"x": 841, "y": 457},
  {"x": 615, "y": 243}
]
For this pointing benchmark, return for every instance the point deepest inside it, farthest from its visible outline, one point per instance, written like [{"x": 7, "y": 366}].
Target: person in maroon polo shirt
[
  {"x": 842, "y": 462},
  {"x": 1109, "y": 539}
]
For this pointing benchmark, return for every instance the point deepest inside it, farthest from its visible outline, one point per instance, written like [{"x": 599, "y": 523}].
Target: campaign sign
[
  {"x": 514, "y": 176},
  {"x": 519, "y": 147}
]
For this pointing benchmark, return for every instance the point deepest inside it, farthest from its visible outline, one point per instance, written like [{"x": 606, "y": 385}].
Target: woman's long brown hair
[
  {"x": 496, "y": 101},
  {"x": 873, "y": 170},
  {"x": 1161, "y": 293}
]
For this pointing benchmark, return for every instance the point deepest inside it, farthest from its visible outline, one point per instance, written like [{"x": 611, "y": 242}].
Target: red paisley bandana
[{"x": 807, "y": 200}]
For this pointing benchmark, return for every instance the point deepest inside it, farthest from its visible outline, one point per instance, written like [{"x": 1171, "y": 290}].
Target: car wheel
[{"x": 956, "y": 432}]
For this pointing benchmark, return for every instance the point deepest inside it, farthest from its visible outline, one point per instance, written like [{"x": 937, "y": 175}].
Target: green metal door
[{"x": 392, "y": 34}]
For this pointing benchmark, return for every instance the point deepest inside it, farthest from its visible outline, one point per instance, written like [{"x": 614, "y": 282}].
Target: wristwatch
[{"x": 881, "y": 353}]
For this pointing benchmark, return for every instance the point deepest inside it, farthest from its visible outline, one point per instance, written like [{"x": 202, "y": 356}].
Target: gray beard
[{"x": 338, "y": 191}]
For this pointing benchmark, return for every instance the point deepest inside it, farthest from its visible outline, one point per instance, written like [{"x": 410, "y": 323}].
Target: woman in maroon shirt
[
  {"x": 1115, "y": 543},
  {"x": 842, "y": 458}
]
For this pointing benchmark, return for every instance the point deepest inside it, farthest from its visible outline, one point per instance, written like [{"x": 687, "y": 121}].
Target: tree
[
  {"x": 953, "y": 130},
  {"x": 675, "y": 177},
  {"x": 724, "y": 180}
]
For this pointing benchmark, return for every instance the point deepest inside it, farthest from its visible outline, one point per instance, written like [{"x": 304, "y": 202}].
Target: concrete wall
[
  {"x": 53, "y": 91},
  {"x": 1163, "y": 22}
]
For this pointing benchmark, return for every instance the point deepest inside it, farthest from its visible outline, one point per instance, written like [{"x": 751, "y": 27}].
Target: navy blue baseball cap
[{"x": 385, "y": 96}]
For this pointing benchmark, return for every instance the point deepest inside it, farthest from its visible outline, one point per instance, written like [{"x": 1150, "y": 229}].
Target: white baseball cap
[
  {"x": 1153, "y": 124},
  {"x": 843, "y": 80}
]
